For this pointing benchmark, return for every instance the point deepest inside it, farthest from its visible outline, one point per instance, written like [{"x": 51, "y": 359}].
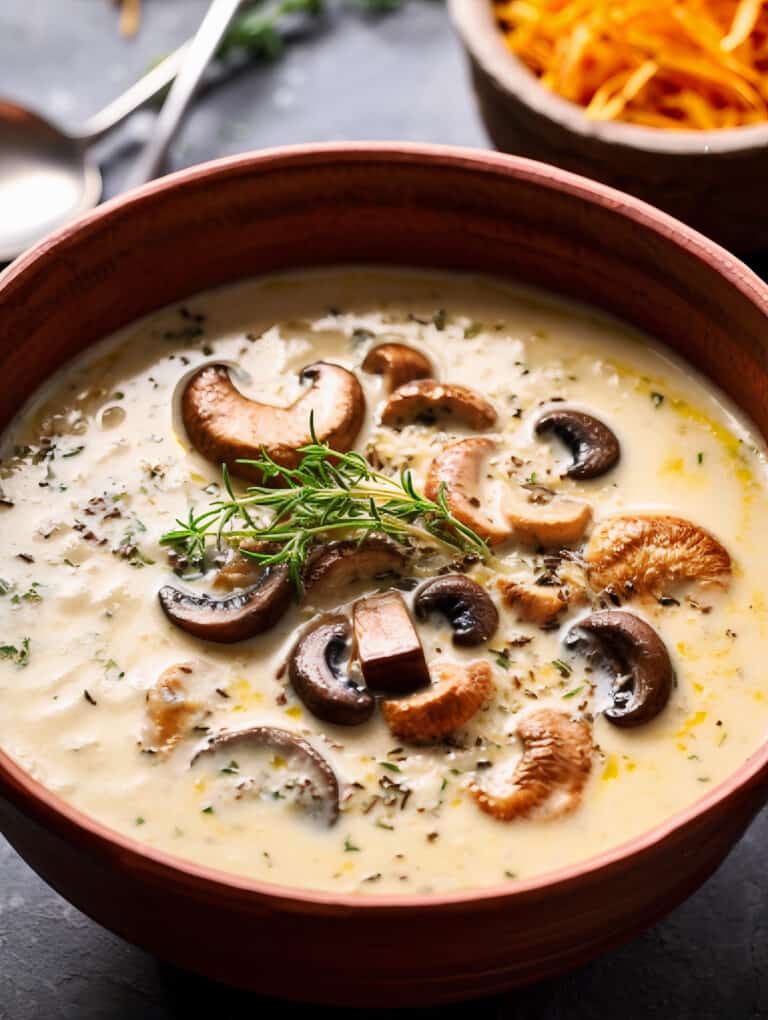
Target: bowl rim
[
  {"x": 476, "y": 25},
  {"x": 55, "y": 813}
]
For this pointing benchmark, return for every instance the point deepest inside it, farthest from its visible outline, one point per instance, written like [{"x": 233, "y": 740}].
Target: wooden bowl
[
  {"x": 392, "y": 204},
  {"x": 714, "y": 180}
]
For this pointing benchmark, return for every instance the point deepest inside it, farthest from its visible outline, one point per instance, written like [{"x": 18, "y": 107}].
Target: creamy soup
[{"x": 535, "y": 745}]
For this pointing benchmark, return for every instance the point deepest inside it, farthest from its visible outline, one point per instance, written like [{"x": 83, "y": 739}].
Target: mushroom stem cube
[{"x": 391, "y": 657}]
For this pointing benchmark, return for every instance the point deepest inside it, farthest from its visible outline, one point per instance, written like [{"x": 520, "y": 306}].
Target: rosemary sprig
[{"x": 327, "y": 494}]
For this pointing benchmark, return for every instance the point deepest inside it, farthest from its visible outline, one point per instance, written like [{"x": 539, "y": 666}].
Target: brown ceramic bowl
[
  {"x": 714, "y": 180},
  {"x": 393, "y": 204}
]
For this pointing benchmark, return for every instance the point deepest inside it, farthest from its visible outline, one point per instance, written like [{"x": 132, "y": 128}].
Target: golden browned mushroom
[
  {"x": 427, "y": 398},
  {"x": 456, "y": 470},
  {"x": 457, "y": 692},
  {"x": 388, "y": 647},
  {"x": 467, "y": 606},
  {"x": 170, "y": 710},
  {"x": 399, "y": 363},
  {"x": 550, "y": 775},
  {"x": 645, "y": 553},
  {"x": 643, "y": 673},
  {"x": 535, "y": 603},
  {"x": 334, "y": 566},
  {"x": 554, "y": 523},
  {"x": 224, "y": 426},
  {"x": 320, "y": 673},
  {"x": 594, "y": 446},
  {"x": 317, "y": 779},
  {"x": 236, "y": 617}
]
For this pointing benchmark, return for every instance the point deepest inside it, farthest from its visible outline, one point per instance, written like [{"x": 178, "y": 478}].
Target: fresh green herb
[
  {"x": 208, "y": 810},
  {"x": 349, "y": 846},
  {"x": 531, "y": 479},
  {"x": 657, "y": 398},
  {"x": 118, "y": 395},
  {"x": 328, "y": 492},
  {"x": 140, "y": 820},
  {"x": 509, "y": 874},
  {"x": 6, "y": 586},
  {"x": 443, "y": 784},
  {"x": 18, "y": 655},
  {"x": 700, "y": 458},
  {"x": 390, "y": 765},
  {"x": 230, "y": 770},
  {"x": 574, "y": 692},
  {"x": 472, "y": 330},
  {"x": 562, "y": 668},
  {"x": 384, "y": 825},
  {"x": 112, "y": 671},
  {"x": 502, "y": 657},
  {"x": 32, "y": 594}
]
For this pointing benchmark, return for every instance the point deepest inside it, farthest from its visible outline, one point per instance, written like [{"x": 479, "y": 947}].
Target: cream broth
[{"x": 84, "y": 638}]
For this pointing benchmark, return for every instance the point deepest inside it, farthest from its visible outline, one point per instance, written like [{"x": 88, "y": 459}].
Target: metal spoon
[{"x": 46, "y": 174}]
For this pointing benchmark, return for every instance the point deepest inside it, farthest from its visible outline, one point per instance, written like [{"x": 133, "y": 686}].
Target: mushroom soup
[{"x": 516, "y": 618}]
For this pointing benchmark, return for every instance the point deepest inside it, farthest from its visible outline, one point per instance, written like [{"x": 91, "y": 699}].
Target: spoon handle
[
  {"x": 200, "y": 52},
  {"x": 140, "y": 93}
]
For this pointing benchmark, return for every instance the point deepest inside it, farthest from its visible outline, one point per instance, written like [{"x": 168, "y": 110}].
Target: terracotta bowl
[
  {"x": 391, "y": 204},
  {"x": 714, "y": 180}
]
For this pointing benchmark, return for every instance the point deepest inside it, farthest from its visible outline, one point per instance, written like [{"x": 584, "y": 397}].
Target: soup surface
[{"x": 109, "y": 702}]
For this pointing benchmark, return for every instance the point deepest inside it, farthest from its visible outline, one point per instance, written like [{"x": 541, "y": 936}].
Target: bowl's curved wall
[{"x": 400, "y": 205}]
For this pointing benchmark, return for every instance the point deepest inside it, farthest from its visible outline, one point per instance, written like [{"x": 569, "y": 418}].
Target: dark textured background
[{"x": 396, "y": 77}]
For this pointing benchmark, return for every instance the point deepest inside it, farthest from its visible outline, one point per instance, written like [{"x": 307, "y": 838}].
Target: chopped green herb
[
  {"x": 349, "y": 846},
  {"x": 230, "y": 770},
  {"x": 208, "y": 810},
  {"x": 509, "y": 874},
  {"x": 472, "y": 330},
  {"x": 574, "y": 692},
  {"x": 562, "y": 668},
  {"x": 18, "y": 655},
  {"x": 6, "y": 586},
  {"x": 531, "y": 479},
  {"x": 390, "y": 765},
  {"x": 139, "y": 820},
  {"x": 700, "y": 457},
  {"x": 384, "y": 825},
  {"x": 502, "y": 657}
]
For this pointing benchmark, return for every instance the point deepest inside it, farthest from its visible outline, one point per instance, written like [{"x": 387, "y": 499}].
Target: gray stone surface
[{"x": 354, "y": 77}]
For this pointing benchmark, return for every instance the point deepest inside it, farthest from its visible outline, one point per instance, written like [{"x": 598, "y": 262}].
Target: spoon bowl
[{"x": 46, "y": 178}]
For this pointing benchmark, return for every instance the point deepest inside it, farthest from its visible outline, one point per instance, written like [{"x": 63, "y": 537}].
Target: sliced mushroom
[
  {"x": 241, "y": 570},
  {"x": 429, "y": 398},
  {"x": 535, "y": 603},
  {"x": 320, "y": 777},
  {"x": 645, "y": 553},
  {"x": 170, "y": 710},
  {"x": 224, "y": 426},
  {"x": 560, "y": 522},
  {"x": 643, "y": 671},
  {"x": 594, "y": 446},
  {"x": 456, "y": 472},
  {"x": 457, "y": 692},
  {"x": 335, "y": 566},
  {"x": 469, "y": 609},
  {"x": 388, "y": 647},
  {"x": 399, "y": 363},
  {"x": 551, "y": 774},
  {"x": 319, "y": 670},
  {"x": 234, "y": 617}
]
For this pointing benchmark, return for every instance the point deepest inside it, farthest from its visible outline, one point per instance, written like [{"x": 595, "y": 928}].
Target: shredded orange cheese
[{"x": 700, "y": 64}]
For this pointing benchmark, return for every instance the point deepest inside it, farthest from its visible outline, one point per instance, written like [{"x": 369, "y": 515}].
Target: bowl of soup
[{"x": 383, "y": 599}]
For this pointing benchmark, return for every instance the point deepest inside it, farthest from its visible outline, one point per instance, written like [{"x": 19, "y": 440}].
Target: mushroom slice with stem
[
  {"x": 535, "y": 603},
  {"x": 427, "y": 398},
  {"x": 319, "y": 669},
  {"x": 334, "y": 566},
  {"x": 643, "y": 673},
  {"x": 457, "y": 692},
  {"x": 467, "y": 606},
  {"x": 645, "y": 553},
  {"x": 594, "y": 446},
  {"x": 388, "y": 647},
  {"x": 455, "y": 473},
  {"x": 398, "y": 363},
  {"x": 226, "y": 426},
  {"x": 170, "y": 710},
  {"x": 234, "y": 617},
  {"x": 551, "y": 774},
  {"x": 316, "y": 781}
]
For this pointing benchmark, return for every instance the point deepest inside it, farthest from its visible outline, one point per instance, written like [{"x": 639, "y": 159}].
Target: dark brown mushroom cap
[
  {"x": 398, "y": 362},
  {"x": 235, "y": 617},
  {"x": 427, "y": 397},
  {"x": 341, "y": 563},
  {"x": 594, "y": 446},
  {"x": 388, "y": 647},
  {"x": 321, "y": 678},
  {"x": 644, "y": 675},
  {"x": 469, "y": 609},
  {"x": 291, "y": 747},
  {"x": 225, "y": 426}
]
